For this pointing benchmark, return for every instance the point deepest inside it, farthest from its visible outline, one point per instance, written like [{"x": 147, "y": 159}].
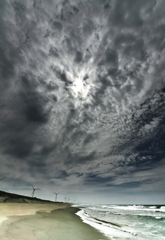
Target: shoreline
[{"x": 42, "y": 222}]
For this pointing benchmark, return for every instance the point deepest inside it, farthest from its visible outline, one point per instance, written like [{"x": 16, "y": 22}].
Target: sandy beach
[{"x": 44, "y": 222}]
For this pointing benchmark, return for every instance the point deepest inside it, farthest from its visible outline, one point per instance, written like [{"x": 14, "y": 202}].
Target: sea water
[{"x": 126, "y": 222}]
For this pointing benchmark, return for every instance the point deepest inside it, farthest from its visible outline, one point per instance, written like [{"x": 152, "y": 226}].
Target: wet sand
[{"x": 44, "y": 222}]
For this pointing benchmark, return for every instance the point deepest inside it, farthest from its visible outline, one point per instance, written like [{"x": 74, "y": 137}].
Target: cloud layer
[{"x": 82, "y": 93}]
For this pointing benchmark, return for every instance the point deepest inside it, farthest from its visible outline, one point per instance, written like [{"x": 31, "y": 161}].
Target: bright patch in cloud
[{"x": 79, "y": 86}]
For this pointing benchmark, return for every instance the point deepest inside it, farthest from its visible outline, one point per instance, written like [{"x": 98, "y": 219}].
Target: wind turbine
[
  {"x": 34, "y": 189},
  {"x": 56, "y": 196}
]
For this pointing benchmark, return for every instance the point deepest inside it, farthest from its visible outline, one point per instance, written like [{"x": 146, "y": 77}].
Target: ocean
[{"x": 127, "y": 221}]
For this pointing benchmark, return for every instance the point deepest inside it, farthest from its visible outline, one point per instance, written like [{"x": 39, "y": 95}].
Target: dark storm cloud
[
  {"x": 82, "y": 94},
  {"x": 93, "y": 179},
  {"x": 33, "y": 103},
  {"x": 78, "y": 57},
  {"x": 89, "y": 138},
  {"x": 27, "y": 113}
]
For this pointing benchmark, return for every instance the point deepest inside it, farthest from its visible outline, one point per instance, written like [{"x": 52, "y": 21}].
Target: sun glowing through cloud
[
  {"x": 79, "y": 85},
  {"x": 83, "y": 85}
]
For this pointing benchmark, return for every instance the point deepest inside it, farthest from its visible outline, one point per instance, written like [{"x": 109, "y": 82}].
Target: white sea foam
[
  {"x": 107, "y": 229},
  {"x": 124, "y": 222},
  {"x": 134, "y": 208},
  {"x": 162, "y": 208}
]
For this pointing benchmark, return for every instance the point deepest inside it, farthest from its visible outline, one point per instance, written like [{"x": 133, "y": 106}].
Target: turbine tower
[
  {"x": 34, "y": 189},
  {"x": 56, "y": 196}
]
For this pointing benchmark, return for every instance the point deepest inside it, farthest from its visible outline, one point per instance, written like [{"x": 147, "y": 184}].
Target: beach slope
[{"x": 44, "y": 222}]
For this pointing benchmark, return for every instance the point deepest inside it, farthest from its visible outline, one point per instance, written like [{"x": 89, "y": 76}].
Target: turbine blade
[{"x": 2, "y": 178}]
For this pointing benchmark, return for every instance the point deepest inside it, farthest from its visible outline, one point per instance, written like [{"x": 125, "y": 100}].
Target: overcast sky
[{"x": 82, "y": 99}]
